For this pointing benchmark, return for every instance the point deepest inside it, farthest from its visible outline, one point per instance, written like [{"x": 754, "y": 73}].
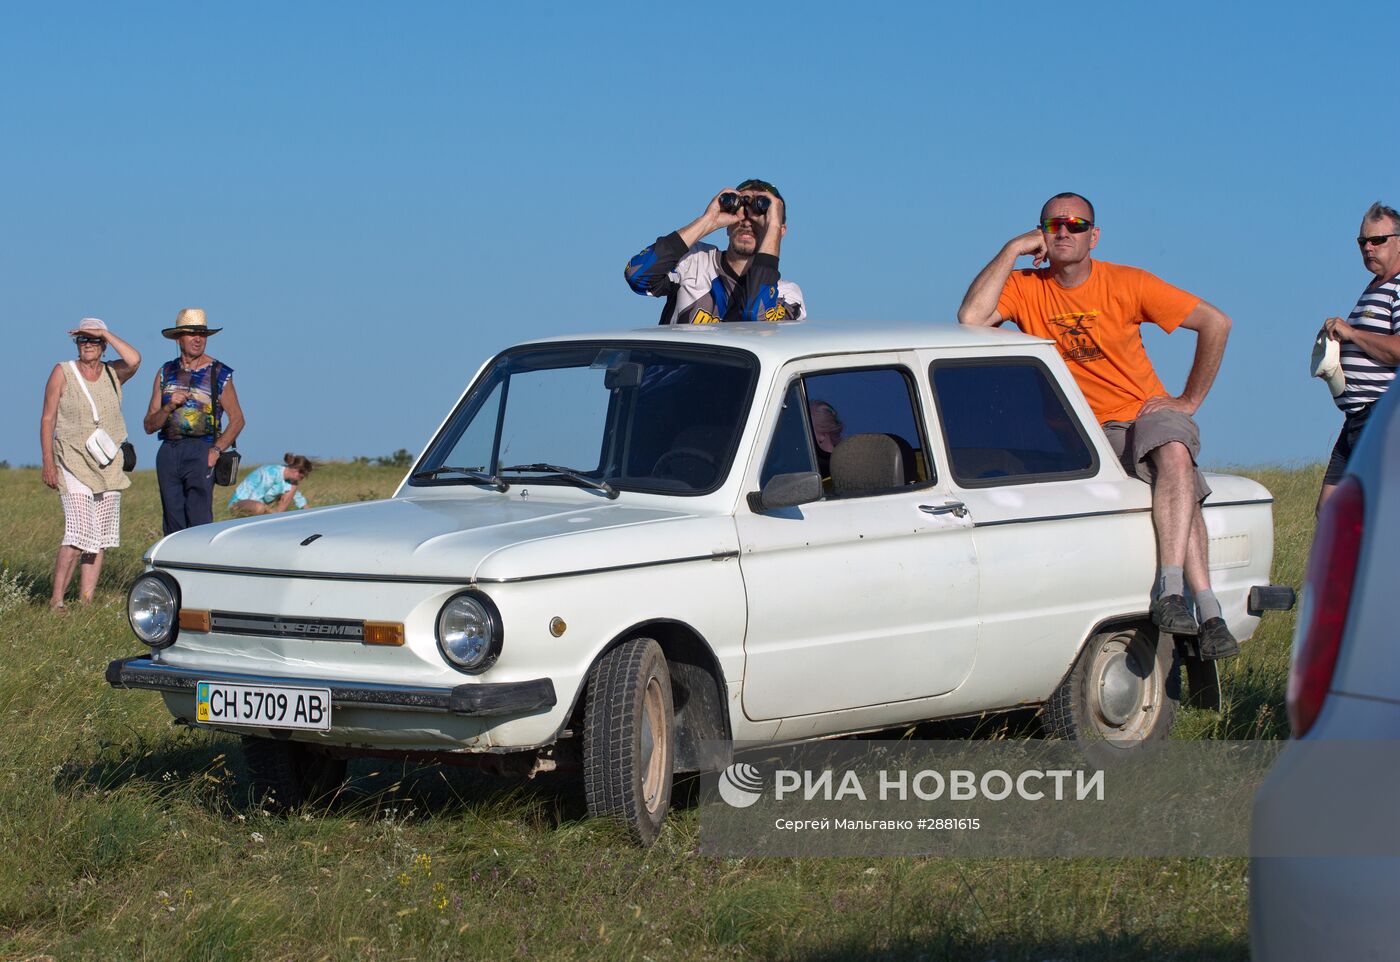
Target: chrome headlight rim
[
  {"x": 494, "y": 626},
  {"x": 172, "y": 587}
]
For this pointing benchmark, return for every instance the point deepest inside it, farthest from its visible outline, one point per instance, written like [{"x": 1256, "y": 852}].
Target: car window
[
  {"x": 859, "y": 429},
  {"x": 1006, "y": 421},
  {"x": 637, "y": 417}
]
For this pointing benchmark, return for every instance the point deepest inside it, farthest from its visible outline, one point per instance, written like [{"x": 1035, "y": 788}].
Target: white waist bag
[{"x": 99, "y": 443}]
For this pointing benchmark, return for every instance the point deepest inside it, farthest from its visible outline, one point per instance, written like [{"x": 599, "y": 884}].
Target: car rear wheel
[
  {"x": 1122, "y": 691},
  {"x": 629, "y": 738},
  {"x": 287, "y": 775}
]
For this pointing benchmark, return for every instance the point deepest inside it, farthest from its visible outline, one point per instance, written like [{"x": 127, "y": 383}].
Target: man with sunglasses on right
[
  {"x": 1093, "y": 311},
  {"x": 702, "y": 285},
  {"x": 1370, "y": 337}
]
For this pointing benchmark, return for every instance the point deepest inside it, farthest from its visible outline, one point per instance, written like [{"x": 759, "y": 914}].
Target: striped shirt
[{"x": 1377, "y": 312}]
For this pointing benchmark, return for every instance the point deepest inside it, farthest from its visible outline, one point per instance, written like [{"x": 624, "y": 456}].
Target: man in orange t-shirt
[{"x": 1093, "y": 310}]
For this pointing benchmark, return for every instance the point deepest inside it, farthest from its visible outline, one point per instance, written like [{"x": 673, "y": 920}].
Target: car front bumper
[{"x": 476, "y": 700}]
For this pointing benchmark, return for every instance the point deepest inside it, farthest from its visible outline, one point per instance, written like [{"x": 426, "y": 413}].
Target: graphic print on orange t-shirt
[
  {"x": 1075, "y": 337},
  {"x": 1096, "y": 326}
]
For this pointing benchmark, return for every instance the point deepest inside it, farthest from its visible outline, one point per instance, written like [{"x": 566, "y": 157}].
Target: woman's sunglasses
[
  {"x": 1075, "y": 225},
  {"x": 84, "y": 339}
]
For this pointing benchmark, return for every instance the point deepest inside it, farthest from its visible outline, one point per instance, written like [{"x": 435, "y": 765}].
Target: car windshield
[{"x": 607, "y": 417}]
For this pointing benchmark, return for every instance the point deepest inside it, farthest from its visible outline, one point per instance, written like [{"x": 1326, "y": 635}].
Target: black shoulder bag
[
  {"x": 128, "y": 449},
  {"x": 226, "y": 468}
]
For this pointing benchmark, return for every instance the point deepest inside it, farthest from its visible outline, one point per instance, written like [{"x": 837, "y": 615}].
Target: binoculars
[{"x": 758, "y": 205}]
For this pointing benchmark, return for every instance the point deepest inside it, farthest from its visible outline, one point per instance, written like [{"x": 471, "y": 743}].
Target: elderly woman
[
  {"x": 271, "y": 489},
  {"x": 80, "y": 397}
]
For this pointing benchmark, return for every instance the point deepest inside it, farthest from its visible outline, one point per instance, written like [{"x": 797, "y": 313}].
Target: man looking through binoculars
[{"x": 702, "y": 285}]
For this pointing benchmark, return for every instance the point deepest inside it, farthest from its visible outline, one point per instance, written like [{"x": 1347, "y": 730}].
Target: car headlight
[
  {"x": 153, "y": 608},
  {"x": 469, "y": 632}
]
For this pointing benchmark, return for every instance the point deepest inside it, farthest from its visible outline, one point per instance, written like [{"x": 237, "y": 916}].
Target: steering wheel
[{"x": 697, "y": 476}]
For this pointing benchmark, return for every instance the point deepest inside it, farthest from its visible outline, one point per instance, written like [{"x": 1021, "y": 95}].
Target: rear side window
[{"x": 1006, "y": 421}]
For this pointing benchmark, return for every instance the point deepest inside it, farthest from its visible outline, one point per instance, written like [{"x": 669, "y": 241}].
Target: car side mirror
[{"x": 787, "y": 491}]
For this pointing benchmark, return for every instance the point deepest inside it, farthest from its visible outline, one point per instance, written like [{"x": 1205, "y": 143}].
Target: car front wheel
[
  {"x": 286, "y": 775},
  {"x": 1122, "y": 691},
  {"x": 629, "y": 738}
]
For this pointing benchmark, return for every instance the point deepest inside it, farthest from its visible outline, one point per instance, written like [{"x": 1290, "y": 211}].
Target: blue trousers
[{"x": 186, "y": 483}]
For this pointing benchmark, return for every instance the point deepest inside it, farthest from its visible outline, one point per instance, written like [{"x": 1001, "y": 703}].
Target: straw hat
[
  {"x": 1327, "y": 363},
  {"x": 190, "y": 321}
]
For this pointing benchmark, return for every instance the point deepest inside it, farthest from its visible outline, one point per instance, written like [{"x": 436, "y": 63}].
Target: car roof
[{"x": 775, "y": 342}]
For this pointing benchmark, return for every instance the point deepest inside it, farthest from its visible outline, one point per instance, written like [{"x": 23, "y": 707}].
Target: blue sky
[{"x": 373, "y": 198}]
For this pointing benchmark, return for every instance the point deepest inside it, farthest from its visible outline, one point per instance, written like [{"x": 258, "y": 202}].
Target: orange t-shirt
[{"x": 1096, "y": 326}]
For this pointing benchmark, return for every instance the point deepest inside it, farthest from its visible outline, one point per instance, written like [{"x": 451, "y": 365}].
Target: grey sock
[
  {"x": 1172, "y": 582},
  {"x": 1206, "y": 605}
]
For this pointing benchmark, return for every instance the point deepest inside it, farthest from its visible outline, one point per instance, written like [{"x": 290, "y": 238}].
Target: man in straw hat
[
  {"x": 1370, "y": 337},
  {"x": 188, "y": 401}
]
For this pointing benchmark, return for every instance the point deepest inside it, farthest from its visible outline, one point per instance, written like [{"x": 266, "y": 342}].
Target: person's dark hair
[
  {"x": 298, "y": 462},
  {"x": 753, "y": 183},
  {"x": 1378, "y": 210},
  {"x": 1066, "y": 196}
]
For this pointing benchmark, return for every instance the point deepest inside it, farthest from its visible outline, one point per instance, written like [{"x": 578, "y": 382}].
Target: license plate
[{"x": 263, "y": 706}]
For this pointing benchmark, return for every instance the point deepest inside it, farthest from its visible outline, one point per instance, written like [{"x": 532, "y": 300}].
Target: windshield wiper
[
  {"x": 471, "y": 474},
  {"x": 569, "y": 473}
]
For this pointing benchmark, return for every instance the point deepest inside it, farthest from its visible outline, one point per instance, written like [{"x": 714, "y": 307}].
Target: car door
[
  {"x": 869, "y": 595},
  {"x": 1063, "y": 535}
]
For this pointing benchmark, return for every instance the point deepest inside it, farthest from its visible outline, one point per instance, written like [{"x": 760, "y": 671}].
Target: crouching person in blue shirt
[{"x": 271, "y": 489}]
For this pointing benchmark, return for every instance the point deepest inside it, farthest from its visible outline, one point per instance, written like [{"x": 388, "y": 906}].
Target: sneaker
[
  {"x": 1173, "y": 615},
  {"x": 1216, "y": 642}
]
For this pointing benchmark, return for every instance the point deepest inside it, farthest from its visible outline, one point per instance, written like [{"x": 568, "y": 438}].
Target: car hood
[{"x": 489, "y": 538}]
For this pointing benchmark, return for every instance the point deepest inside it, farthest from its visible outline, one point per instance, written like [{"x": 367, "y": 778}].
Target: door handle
[{"x": 956, "y": 508}]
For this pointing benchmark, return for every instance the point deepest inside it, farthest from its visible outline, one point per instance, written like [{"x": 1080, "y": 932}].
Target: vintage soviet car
[{"x": 621, "y": 548}]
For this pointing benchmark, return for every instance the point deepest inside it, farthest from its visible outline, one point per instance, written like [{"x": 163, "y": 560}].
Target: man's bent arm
[
  {"x": 1212, "y": 329},
  {"x": 979, "y": 305},
  {"x": 649, "y": 271},
  {"x": 1382, "y": 348}
]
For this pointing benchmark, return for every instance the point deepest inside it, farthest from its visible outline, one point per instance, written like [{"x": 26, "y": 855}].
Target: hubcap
[
  {"x": 1126, "y": 688},
  {"x": 1120, "y": 690}
]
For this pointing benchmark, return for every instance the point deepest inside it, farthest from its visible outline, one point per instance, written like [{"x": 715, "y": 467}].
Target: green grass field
[{"x": 123, "y": 837}]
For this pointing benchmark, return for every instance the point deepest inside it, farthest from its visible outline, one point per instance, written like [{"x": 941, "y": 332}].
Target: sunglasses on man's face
[
  {"x": 87, "y": 340},
  {"x": 1075, "y": 225},
  {"x": 1375, "y": 240}
]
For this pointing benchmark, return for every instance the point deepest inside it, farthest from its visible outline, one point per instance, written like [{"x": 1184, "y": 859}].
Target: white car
[
  {"x": 1330, "y": 800},
  {"x": 620, "y": 548}
]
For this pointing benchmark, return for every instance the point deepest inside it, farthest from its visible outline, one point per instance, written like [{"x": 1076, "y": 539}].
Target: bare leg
[
  {"x": 63, "y": 566},
  {"x": 1174, "y": 502},
  {"x": 88, "y": 572},
  {"x": 250, "y": 507},
  {"x": 1197, "y": 557}
]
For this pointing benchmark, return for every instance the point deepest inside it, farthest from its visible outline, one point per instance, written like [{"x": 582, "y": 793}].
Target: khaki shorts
[{"x": 1133, "y": 441}]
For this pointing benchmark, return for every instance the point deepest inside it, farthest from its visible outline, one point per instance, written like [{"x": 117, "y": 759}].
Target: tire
[
  {"x": 1122, "y": 691},
  {"x": 285, "y": 775},
  {"x": 629, "y": 738}
]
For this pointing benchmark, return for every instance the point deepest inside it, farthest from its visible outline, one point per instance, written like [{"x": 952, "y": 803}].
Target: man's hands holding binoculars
[{"x": 729, "y": 207}]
